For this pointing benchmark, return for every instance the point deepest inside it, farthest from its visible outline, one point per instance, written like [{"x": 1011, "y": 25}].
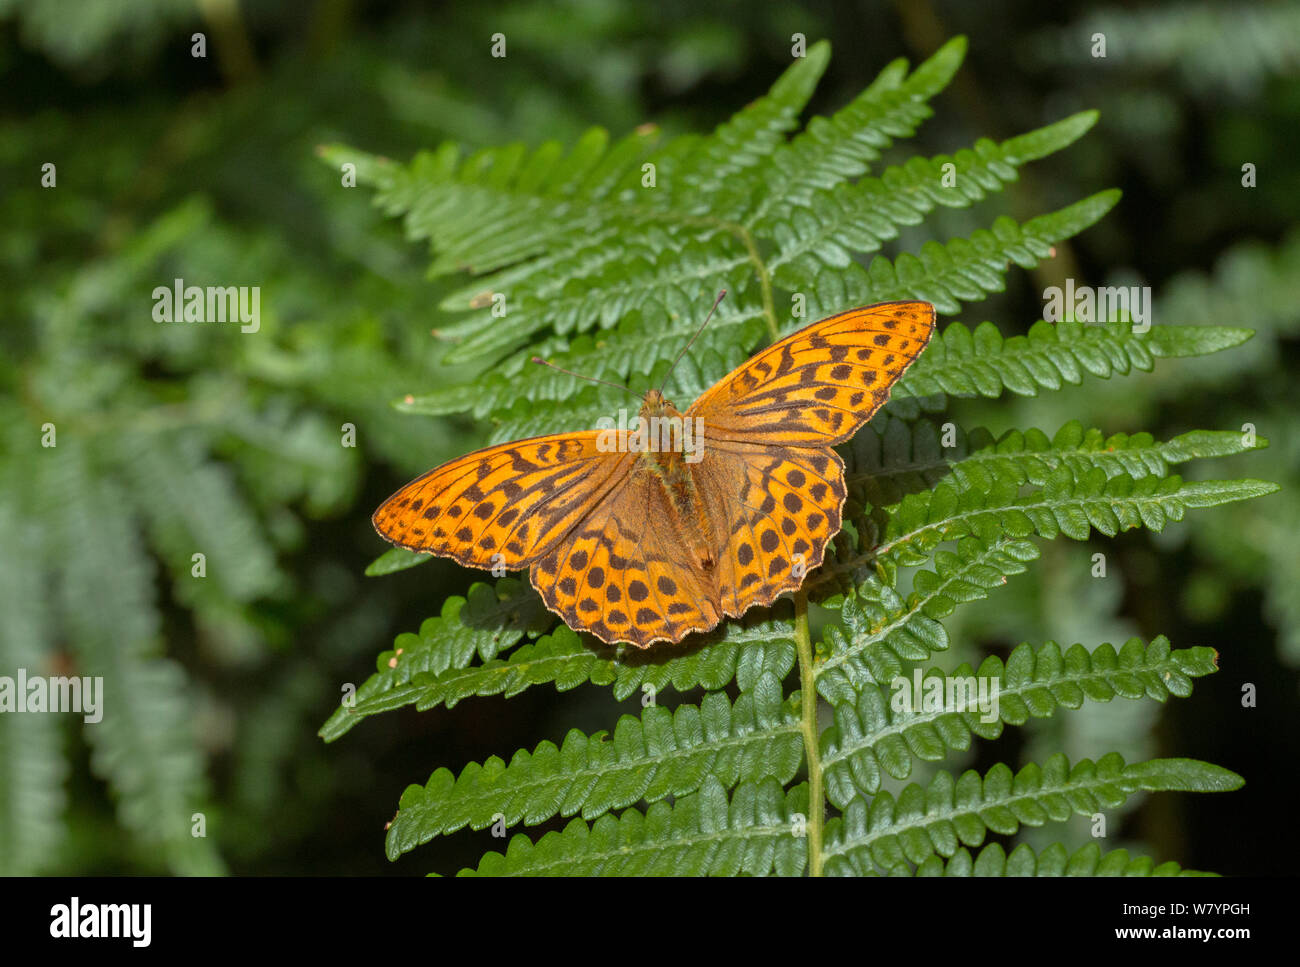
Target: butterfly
[{"x": 650, "y": 535}]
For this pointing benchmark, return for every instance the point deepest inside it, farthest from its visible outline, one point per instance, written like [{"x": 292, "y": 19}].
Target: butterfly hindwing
[
  {"x": 780, "y": 506},
  {"x": 818, "y": 386},
  {"x": 622, "y": 576}
]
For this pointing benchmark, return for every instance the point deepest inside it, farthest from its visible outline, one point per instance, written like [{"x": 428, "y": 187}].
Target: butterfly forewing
[
  {"x": 504, "y": 505},
  {"x": 819, "y": 385}
]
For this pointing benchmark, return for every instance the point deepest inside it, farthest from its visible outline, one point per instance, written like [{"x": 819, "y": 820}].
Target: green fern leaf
[
  {"x": 143, "y": 745},
  {"x": 32, "y": 771},
  {"x": 1055, "y": 860},
  {"x": 984, "y": 363},
  {"x": 704, "y": 834},
  {"x": 963, "y": 270},
  {"x": 664, "y": 753},
  {"x": 831, "y": 149},
  {"x": 891, "y": 458},
  {"x": 1067, "y": 503},
  {"x": 871, "y": 738},
  {"x": 563, "y": 659},
  {"x": 949, "y": 813},
  {"x": 483, "y": 623},
  {"x": 860, "y": 217},
  {"x": 879, "y": 631},
  {"x": 599, "y": 258}
]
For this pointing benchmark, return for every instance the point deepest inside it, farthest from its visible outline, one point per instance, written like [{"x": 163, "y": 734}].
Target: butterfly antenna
[
  {"x": 541, "y": 362},
  {"x": 721, "y": 296}
]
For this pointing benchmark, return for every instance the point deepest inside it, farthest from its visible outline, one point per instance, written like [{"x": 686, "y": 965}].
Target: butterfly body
[
  {"x": 648, "y": 536},
  {"x": 668, "y": 460}
]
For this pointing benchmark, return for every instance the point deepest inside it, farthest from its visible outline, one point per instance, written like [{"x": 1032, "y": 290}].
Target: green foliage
[
  {"x": 602, "y": 269},
  {"x": 962, "y": 362},
  {"x": 1053, "y": 861},
  {"x": 661, "y": 754},
  {"x": 433, "y": 668},
  {"x": 1213, "y": 48},
  {"x": 128, "y": 446},
  {"x": 1254, "y": 281},
  {"x": 948, "y": 813},
  {"x": 704, "y": 834},
  {"x": 871, "y": 738}
]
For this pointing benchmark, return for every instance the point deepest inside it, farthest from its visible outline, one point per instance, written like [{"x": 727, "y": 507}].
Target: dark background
[{"x": 169, "y": 166}]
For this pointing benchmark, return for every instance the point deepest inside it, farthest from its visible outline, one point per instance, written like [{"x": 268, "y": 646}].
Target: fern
[
  {"x": 660, "y": 755},
  {"x": 1261, "y": 283},
  {"x": 870, "y": 740},
  {"x": 167, "y": 441},
  {"x": 937, "y": 819},
  {"x": 31, "y": 790},
  {"x": 601, "y": 268},
  {"x": 755, "y": 831},
  {"x": 1053, "y": 861},
  {"x": 1213, "y": 49}
]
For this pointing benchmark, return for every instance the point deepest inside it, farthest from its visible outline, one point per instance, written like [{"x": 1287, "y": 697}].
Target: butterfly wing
[
  {"x": 768, "y": 468},
  {"x": 624, "y": 574},
  {"x": 504, "y": 505},
  {"x": 817, "y": 386},
  {"x": 778, "y": 506}
]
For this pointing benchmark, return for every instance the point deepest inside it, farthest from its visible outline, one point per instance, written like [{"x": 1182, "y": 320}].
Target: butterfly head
[
  {"x": 667, "y": 436},
  {"x": 656, "y": 404}
]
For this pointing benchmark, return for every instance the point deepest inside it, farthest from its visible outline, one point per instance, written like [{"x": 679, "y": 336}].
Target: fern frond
[
  {"x": 872, "y": 737},
  {"x": 489, "y": 619},
  {"x": 659, "y": 283},
  {"x": 1055, "y": 860},
  {"x": 962, "y": 270},
  {"x": 599, "y": 275},
  {"x": 1067, "y": 503},
  {"x": 949, "y": 813},
  {"x": 756, "y": 832},
  {"x": 891, "y": 458},
  {"x": 983, "y": 362},
  {"x": 143, "y": 745},
  {"x": 879, "y": 631},
  {"x": 710, "y": 178},
  {"x": 566, "y": 660},
  {"x": 499, "y": 206},
  {"x": 502, "y": 207},
  {"x": 32, "y": 770},
  {"x": 860, "y": 217},
  {"x": 172, "y": 478},
  {"x": 664, "y": 753},
  {"x": 637, "y": 351},
  {"x": 581, "y": 261},
  {"x": 832, "y": 149}
]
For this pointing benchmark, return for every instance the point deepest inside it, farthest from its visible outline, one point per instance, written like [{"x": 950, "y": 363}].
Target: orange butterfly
[{"x": 641, "y": 543}]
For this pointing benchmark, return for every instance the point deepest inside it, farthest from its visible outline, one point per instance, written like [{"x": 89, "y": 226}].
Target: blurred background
[{"x": 177, "y": 439}]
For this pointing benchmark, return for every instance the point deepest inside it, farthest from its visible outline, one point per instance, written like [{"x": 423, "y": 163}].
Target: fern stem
[
  {"x": 764, "y": 278},
  {"x": 808, "y": 693}
]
